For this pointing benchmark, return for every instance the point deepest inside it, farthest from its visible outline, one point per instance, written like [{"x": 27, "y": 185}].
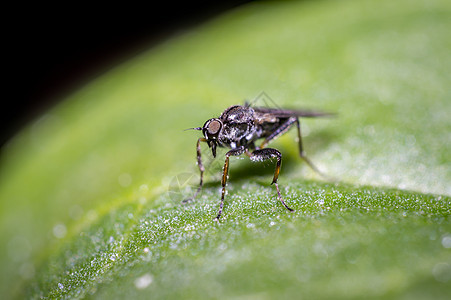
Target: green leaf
[{"x": 91, "y": 192}]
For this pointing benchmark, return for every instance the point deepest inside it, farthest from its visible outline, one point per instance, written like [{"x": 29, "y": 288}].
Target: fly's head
[{"x": 212, "y": 130}]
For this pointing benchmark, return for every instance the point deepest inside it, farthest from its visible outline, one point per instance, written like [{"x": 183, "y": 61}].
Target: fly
[{"x": 239, "y": 127}]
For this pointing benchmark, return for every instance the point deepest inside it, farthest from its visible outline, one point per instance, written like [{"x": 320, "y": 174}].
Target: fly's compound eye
[{"x": 212, "y": 128}]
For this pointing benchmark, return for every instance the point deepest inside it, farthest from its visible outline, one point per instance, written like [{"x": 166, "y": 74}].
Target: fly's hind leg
[
  {"x": 302, "y": 153},
  {"x": 283, "y": 128},
  {"x": 268, "y": 153}
]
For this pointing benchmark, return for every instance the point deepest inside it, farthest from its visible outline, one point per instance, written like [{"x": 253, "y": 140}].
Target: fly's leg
[
  {"x": 283, "y": 128},
  {"x": 302, "y": 153},
  {"x": 201, "y": 169},
  {"x": 233, "y": 152},
  {"x": 268, "y": 153}
]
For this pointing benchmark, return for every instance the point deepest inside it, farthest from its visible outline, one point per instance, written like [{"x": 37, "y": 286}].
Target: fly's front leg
[
  {"x": 268, "y": 153},
  {"x": 233, "y": 152},
  {"x": 201, "y": 169}
]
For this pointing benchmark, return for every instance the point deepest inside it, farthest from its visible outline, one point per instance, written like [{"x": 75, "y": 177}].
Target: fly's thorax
[
  {"x": 239, "y": 114},
  {"x": 239, "y": 127}
]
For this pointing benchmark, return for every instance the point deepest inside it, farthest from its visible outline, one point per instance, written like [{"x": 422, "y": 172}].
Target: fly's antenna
[{"x": 194, "y": 128}]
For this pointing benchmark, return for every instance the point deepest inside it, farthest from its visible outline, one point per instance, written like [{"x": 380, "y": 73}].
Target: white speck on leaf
[
  {"x": 446, "y": 241},
  {"x": 442, "y": 272},
  {"x": 144, "y": 188},
  {"x": 143, "y": 281},
  {"x": 59, "y": 231}
]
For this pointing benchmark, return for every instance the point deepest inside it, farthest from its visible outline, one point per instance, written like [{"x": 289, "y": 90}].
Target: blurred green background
[{"x": 89, "y": 192}]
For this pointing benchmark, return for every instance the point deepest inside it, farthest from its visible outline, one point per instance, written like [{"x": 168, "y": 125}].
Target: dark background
[{"x": 52, "y": 51}]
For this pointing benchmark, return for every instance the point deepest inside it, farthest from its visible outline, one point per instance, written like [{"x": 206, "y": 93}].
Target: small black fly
[{"x": 239, "y": 127}]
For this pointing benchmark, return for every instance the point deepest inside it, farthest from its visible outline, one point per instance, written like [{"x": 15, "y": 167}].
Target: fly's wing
[{"x": 286, "y": 113}]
